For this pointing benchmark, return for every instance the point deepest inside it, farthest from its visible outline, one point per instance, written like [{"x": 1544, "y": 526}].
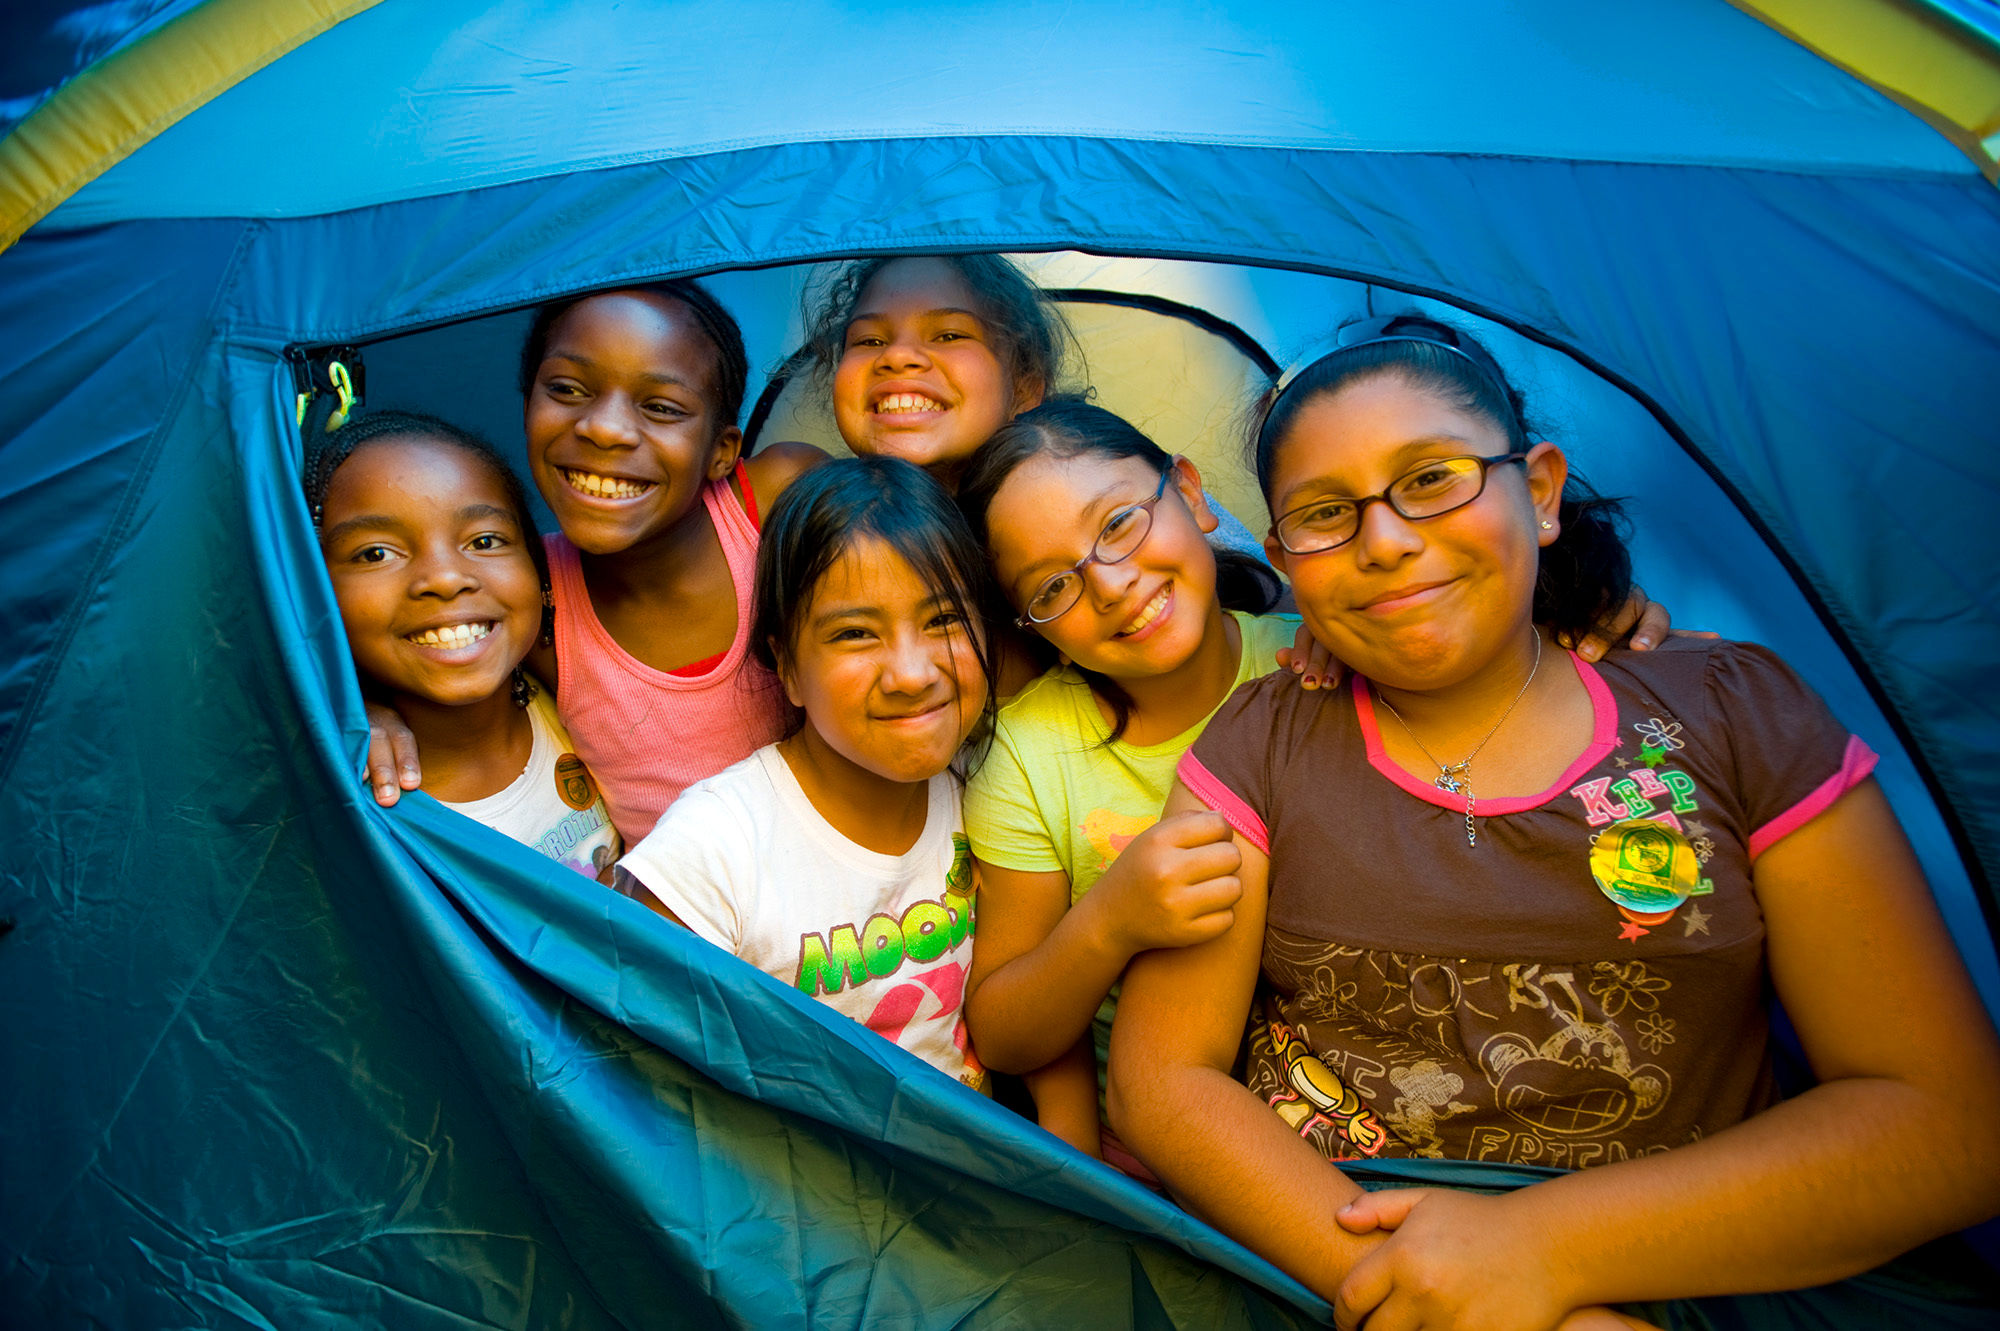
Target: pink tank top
[{"x": 646, "y": 734}]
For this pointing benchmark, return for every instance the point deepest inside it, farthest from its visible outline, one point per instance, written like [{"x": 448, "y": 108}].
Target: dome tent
[{"x": 281, "y": 1058}]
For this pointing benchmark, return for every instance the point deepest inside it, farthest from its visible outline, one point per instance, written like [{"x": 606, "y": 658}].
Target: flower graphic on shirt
[
  {"x": 1619, "y": 985},
  {"x": 1655, "y": 1032},
  {"x": 1661, "y": 735}
]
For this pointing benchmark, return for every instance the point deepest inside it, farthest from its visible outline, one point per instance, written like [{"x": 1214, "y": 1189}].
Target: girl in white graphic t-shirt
[{"x": 834, "y": 859}]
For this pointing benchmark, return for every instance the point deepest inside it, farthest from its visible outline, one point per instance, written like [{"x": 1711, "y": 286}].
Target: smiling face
[
  {"x": 621, "y": 429},
  {"x": 884, "y": 667},
  {"x": 1147, "y": 614},
  {"x": 430, "y": 567},
  {"x": 921, "y": 377},
  {"x": 1413, "y": 605}
]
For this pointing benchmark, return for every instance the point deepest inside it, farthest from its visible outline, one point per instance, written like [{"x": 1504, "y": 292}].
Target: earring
[
  {"x": 548, "y": 618},
  {"x": 1547, "y": 525},
  {"x": 523, "y": 691}
]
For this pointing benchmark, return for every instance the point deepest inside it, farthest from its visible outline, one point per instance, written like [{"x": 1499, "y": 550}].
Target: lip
[
  {"x": 880, "y": 393},
  {"x": 462, "y": 652},
  {"x": 920, "y": 716},
  {"x": 1163, "y": 597},
  {"x": 1407, "y": 597},
  {"x": 567, "y": 474}
]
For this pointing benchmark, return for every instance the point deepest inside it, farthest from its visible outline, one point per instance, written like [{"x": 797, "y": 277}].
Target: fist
[{"x": 1175, "y": 885}]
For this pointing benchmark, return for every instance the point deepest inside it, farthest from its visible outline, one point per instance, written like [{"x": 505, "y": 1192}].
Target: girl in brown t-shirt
[{"x": 1509, "y": 905}]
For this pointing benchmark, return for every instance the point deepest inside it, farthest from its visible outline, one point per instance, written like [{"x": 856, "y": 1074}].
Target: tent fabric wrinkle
[{"x": 283, "y": 1058}]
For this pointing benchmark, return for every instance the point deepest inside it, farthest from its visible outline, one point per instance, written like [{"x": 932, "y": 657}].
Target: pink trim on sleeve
[
  {"x": 1855, "y": 765},
  {"x": 1205, "y": 786}
]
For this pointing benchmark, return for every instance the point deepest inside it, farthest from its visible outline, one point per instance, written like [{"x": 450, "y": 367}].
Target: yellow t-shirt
[{"x": 1052, "y": 795}]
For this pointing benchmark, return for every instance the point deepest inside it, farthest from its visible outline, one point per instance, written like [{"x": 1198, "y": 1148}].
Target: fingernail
[
  {"x": 1298, "y": 669},
  {"x": 409, "y": 774},
  {"x": 1312, "y": 681},
  {"x": 384, "y": 793},
  {"x": 1643, "y": 641}
]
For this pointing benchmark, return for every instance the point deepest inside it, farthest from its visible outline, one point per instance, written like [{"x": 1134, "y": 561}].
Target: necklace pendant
[{"x": 1451, "y": 779}]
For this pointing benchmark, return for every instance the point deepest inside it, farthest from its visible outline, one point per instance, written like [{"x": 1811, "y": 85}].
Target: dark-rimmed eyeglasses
[
  {"x": 1119, "y": 539},
  {"x": 1428, "y": 490}
]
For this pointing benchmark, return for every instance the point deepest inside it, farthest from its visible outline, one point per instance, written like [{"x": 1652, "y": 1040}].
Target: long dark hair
[
  {"x": 825, "y": 511},
  {"x": 1067, "y": 428},
  {"x": 1028, "y": 332},
  {"x": 727, "y": 376},
  {"x": 1586, "y": 573}
]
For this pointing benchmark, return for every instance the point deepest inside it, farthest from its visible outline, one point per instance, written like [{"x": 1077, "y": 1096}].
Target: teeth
[
  {"x": 452, "y": 635},
  {"x": 605, "y": 487},
  {"x": 1149, "y": 614},
  {"x": 897, "y": 402}
]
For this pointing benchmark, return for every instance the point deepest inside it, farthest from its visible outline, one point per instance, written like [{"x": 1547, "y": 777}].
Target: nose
[
  {"x": 442, "y": 573},
  {"x": 1109, "y": 583},
  {"x": 609, "y": 423},
  {"x": 912, "y": 663},
  {"x": 902, "y": 351},
  {"x": 1385, "y": 536}
]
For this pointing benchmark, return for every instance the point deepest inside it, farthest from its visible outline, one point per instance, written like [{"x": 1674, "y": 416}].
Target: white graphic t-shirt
[
  {"x": 745, "y": 861},
  {"x": 554, "y": 805}
]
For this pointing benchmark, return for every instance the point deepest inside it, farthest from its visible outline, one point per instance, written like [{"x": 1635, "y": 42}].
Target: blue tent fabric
[{"x": 280, "y": 1058}]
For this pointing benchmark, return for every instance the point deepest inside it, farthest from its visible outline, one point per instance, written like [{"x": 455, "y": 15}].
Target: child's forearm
[
  {"x": 1228, "y": 1159},
  {"x": 1031, "y": 1010},
  {"x": 1065, "y": 1095},
  {"x": 1815, "y": 1189}
]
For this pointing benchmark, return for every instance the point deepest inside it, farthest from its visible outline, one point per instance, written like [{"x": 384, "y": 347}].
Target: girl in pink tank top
[
  {"x": 631, "y": 404},
  {"x": 651, "y": 733},
  {"x": 631, "y": 399}
]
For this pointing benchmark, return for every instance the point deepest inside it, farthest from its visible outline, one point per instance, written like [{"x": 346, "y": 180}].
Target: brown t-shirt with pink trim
[{"x": 1583, "y": 985}]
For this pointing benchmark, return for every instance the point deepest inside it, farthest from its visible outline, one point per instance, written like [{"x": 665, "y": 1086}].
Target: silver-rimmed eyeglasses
[
  {"x": 1119, "y": 539},
  {"x": 1428, "y": 490}
]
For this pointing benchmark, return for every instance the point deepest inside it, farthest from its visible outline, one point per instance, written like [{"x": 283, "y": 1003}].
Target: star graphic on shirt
[
  {"x": 1697, "y": 921},
  {"x": 1695, "y": 829},
  {"x": 1651, "y": 756},
  {"x": 1622, "y": 763},
  {"x": 1633, "y": 930}
]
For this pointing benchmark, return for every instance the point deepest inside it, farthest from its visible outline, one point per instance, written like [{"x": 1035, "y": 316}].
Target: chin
[{"x": 1412, "y": 665}]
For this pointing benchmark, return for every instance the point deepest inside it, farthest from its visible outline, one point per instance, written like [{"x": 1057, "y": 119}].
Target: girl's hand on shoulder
[
  {"x": 392, "y": 755},
  {"x": 1641, "y": 624},
  {"x": 1453, "y": 1260},
  {"x": 1312, "y": 663},
  {"x": 1175, "y": 885}
]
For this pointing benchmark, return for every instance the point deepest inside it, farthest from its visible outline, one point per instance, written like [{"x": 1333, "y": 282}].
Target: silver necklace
[{"x": 1454, "y": 778}]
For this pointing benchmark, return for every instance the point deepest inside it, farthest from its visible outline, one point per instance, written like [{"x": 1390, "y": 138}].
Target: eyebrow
[
  {"x": 921, "y": 314},
  {"x": 647, "y": 376},
  {"x": 1401, "y": 460},
  {"x": 381, "y": 521},
  {"x": 1055, "y": 563},
  {"x": 869, "y": 609}
]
